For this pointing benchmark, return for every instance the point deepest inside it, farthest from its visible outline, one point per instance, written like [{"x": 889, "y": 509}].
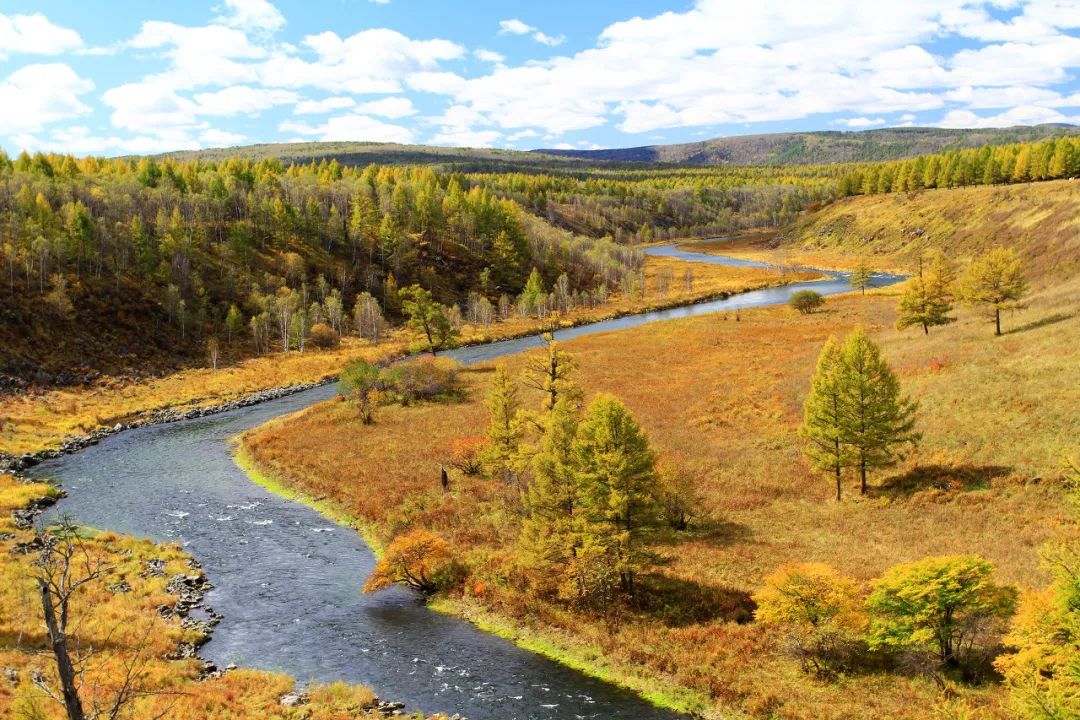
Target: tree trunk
[
  {"x": 64, "y": 668},
  {"x": 925, "y": 329},
  {"x": 862, "y": 474},
  {"x": 997, "y": 321}
]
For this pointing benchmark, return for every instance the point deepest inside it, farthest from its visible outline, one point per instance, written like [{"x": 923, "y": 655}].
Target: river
[{"x": 287, "y": 580}]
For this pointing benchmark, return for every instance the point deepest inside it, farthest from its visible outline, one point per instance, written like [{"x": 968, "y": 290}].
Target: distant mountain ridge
[
  {"x": 826, "y": 146},
  {"x": 798, "y": 148}
]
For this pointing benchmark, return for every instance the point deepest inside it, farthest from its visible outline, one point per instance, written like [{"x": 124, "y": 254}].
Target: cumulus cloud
[
  {"x": 35, "y": 35},
  {"x": 488, "y": 56},
  {"x": 258, "y": 15},
  {"x": 350, "y": 127},
  {"x": 860, "y": 122},
  {"x": 316, "y": 107},
  {"x": 517, "y": 27},
  {"x": 41, "y": 94}
]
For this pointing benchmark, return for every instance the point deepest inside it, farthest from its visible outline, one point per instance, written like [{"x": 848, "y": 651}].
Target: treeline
[
  {"x": 989, "y": 165},
  {"x": 262, "y": 238},
  {"x": 638, "y": 206}
]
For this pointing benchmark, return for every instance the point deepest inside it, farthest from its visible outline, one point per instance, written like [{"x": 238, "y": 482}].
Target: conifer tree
[
  {"x": 995, "y": 282},
  {"x": 548, "y": 534},
  {"x": 823, "y": 415},
  {"x": 921, "y": 304},
  {"x": 860, "y": 277},
  {"x": 876, "y": 420},
  {"x": 428, "y": 318},
  {"x": 504, "y": 431},
  {"x": 550, "y": 374},
  {"x": 617, "y": 479}
]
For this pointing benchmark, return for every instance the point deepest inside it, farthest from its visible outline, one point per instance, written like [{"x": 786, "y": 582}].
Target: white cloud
[
  {"x": 37, "y": 95},
  {"x": 316, "y": 107},
  {"x": 514, "y": 27},
  {"x": 861, "y": 122},
  {"x": 1023, "y": 115},
  {"x": 467, "y": 138},
  {"x": 488, "y": 56},
  {"x": 258, "y": 15},
  {"x": 220, "y": 138},
  {"x": 527, "y": 133},
  {"x": 240, "y": 99},
  {"x": 351, "y": 127},
  {"x": 36, "y": 35},
  {"x": 391, "y": 107},
  {"x": 517, "y": 27}
]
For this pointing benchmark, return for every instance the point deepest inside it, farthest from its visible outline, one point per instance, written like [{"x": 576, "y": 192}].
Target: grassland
[
  {"x": 32, "y": 422},
  {"x": 124, "y": 625},
  {"x": 723, "y": 399}
]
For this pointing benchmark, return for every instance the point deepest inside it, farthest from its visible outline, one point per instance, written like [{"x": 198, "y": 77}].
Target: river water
[{"x": 287, "y": 580}]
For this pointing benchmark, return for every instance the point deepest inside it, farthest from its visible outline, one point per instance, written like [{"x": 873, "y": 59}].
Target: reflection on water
[{"x": 288, "y": 580}]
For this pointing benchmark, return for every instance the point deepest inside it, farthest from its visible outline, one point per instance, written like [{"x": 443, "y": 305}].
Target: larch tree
[
  {"x": 876, "y": 420},
  {"x": 861, "y": 276},
  {"x": 823, "y": 415},
  {"x": 995, "y": 282},
  {"x": 618, "y": 485},
  {"x": 921, "y": 305},
  {"x": 548, "y": 535},
  {"x": 550, "y": 374},
  {"x": 504, "y": 431}
]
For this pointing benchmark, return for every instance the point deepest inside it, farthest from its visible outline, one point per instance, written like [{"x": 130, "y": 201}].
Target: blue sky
[{"x": 123, "y": 77}]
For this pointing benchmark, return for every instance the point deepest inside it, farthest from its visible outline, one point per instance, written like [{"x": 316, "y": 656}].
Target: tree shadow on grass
[
  {"x": 1041, "y": 322},
  {"x": 718, "y": 533},
  {"x": 947, "y": 478},
  {"x": 677, "y": 602}
]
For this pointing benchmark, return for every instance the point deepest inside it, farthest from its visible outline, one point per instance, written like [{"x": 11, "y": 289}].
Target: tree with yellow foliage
[
  {"x": 419, "y": 559},
  {"x": 818, "y": 609}
]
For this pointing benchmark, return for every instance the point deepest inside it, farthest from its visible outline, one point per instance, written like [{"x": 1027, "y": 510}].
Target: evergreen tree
[
  {"x": 617, "y": 480},
  {"x": 923, "y": 303},
  {"x": 996, "y": 282},
  {"x": 876, "y": 420},
  {"x": 504, "y": 431},
  {"x": 548, "y": 535},
  {"x": 823, "y": 416},
  {"x": 550, "y": 374},
  {"x": 860, "y": 277},
  {"x": 428, "y": 318}
]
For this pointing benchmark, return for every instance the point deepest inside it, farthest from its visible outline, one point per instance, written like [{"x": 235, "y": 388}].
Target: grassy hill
[
  {"x": 803, "y": 148},
  {"x": 1041, "y": 220}
]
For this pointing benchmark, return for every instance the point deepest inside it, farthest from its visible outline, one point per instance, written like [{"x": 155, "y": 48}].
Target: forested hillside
[
  {"x": 804, "y": 148},
  {"x": 118, "y": 263}
]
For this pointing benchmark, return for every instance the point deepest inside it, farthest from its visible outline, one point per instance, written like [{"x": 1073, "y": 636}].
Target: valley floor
[
  {"x": 722, "y": 396},
  {"x": 37, "y": 421}
]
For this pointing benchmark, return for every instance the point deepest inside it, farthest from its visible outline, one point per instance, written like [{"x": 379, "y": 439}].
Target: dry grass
[
  {"x": 118, "y": 624},
  {"x": 1041, "y": 220},
  {"x": 33, "y": 422},
  {"x": 724, "y": 398}
]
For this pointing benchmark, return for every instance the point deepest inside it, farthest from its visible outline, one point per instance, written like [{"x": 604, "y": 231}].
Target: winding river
[{"x": 287, "y": 579}]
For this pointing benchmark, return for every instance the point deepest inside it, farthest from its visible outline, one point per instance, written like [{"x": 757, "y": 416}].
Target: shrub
[
  {"x": 426, "y": 378},
  {"x": 806, "y": 301},
  {"x": 362, "y": 387},
  {"x": 818, "y": 609},
  {"x": 466, "y": 454},
  {"x": 323, "y": 336}
]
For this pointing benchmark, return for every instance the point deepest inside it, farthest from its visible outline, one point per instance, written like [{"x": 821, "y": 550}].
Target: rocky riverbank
[{"x": 16, "y": 464}]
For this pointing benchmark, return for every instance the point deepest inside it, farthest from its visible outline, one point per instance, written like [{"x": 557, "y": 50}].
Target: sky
[{"x": 117, "y": 77}]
